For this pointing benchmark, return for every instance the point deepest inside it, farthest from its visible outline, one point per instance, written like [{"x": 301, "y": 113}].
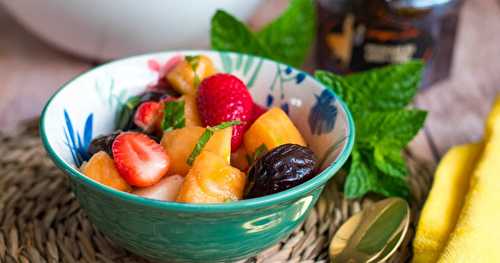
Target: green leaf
[
  {"x": 390, "y": 161},
  {"x": 193, "y": 62},
  {"x": 205, "y": 137},
  {"x": 173, "y": 115},
  {"x": 127, "y": 111},
  {"x": 290, "y": 36},
  {"x": 261, "y": 150},
  {"x": 229, "y": 34},
  {"x": 355, "y": 98},
  {"x": 395, "y": 128},
  {"x": 364, "y": 177},
  {"x": 388, "y": 88}
]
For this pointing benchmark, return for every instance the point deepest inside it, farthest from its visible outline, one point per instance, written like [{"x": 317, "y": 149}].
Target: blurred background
[{"x": 44, "y": 43}]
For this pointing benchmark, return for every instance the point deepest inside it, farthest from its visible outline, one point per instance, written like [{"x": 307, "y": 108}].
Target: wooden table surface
[{"x": 30, "y": 71}]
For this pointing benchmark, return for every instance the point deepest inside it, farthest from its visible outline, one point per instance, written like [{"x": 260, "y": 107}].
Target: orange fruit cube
[{"x": 101, "y": 168}]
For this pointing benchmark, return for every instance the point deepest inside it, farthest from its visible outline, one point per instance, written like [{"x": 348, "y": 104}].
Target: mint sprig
[
  {"x": 173, "y": 115},
  {"x": 378, "y": 100},
  {"x": 286, "y": 39},
  {"x": 205, "y": 137}
]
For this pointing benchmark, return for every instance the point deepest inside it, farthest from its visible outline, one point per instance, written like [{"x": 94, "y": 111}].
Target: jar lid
[{"x": 417, "y": 4}]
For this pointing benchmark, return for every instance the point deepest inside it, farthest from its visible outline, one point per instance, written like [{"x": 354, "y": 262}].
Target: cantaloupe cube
[
  {"x": 191, "y": 111},
  {"x": 273, "y": 128},
  {"x": 183, "y": 78},
  {"x": 101, "y": 168},
  {"x": 442, "y": 208},
  {"x": 180, "y": 143},
  {"x": 212, "y": 180}
]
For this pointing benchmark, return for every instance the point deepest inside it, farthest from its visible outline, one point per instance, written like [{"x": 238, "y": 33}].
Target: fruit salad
[{"x": 197, "y": 136}]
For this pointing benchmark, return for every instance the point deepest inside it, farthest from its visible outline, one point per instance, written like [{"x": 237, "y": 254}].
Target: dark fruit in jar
[
  {"x": 281, "y": 168},
  {"x": 103, "y": 143}
]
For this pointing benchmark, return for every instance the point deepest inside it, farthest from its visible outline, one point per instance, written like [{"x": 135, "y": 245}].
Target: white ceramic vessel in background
[{"x": 107, "y": 29}]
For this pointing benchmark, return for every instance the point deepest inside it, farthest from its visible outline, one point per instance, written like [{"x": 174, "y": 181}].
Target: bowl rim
[{"x": 241, "y": 205}]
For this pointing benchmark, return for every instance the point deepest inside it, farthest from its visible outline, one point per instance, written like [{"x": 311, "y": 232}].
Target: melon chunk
[
  {"x": 180, "y": 143},
  {"x": 184, "y": 75},
  {"x": 101, "y": 168},
  {"x": 273, "y": 128},
  {"x": 212, "y": 180},
  {"x": 443, "y": 206},
  {"x": 477, "y": 233},
  {"x": 191, "y": 111}
]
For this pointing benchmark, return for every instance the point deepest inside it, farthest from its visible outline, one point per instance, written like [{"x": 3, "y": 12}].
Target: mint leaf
[
  {"x": 364, "y": 177},
  {"x": 229, "y": 34},
  {"x": 291, "y": 35},
  {"x": 395, "y": 128},
  {"x": 390, "y": 161},
  {"x": 355, "y": 98},
  {"x": 193, "y": 62},
  {"x": 261, "y": 150},
  {"x": 127, "y": 111},
  {"x": 388, "y": 88},
  {"x": 205, "y": 137},
  {"x": 173, "y": 115},
  {"x": 287, "y": 39}
]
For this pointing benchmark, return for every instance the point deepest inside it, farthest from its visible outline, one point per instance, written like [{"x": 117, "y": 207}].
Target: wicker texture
[{"x": 41, "y": 221}]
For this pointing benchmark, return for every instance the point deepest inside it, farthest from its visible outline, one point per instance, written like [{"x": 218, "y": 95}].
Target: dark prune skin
[
  {"x": 103, "y": 143},
  {"x": 281, "y": 168}
]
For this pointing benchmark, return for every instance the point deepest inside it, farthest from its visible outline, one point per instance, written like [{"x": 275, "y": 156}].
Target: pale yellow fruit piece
[
  {"x": 165, "y": 190},
  {"x": 443, "y": 206},
  {"x": 476, "y": 236},
  {"x": 179, "y": 144},
  {"x": 273, "y": 128},
  {"x": 191, "y": 111},
  {"x": 183, "y": 77}
]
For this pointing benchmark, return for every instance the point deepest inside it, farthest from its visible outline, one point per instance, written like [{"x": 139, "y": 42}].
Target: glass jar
[{"x": 356, "y": 35}]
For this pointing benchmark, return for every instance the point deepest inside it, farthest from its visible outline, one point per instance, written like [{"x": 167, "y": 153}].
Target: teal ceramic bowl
[{"x": 86, "y": 107}]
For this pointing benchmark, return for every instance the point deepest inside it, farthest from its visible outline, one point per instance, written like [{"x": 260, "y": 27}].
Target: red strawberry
[
  {"x": 148, "y": 115},
  {"x": 224, "y": 97},
  {"x": 139, "y": 159},
  {"x": 257, "y": 111}
]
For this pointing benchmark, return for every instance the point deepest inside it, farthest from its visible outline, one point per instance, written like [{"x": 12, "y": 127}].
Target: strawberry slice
[
  {"x": 148, "y": 115},
  {"x": 222, "y": 98},
  {"x": 139, "y": 159}
]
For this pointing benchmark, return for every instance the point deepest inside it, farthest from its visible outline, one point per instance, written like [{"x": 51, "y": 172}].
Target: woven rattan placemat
[{"x": 41, "y": 221}]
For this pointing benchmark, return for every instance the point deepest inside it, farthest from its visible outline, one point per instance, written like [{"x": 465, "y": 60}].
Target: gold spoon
[{"x": 373, "y": 234}]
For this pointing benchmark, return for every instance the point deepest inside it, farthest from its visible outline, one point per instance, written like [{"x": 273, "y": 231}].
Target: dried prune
[
  {"x": 103, "y": 143},
  {"x": 281, "y": 168}
]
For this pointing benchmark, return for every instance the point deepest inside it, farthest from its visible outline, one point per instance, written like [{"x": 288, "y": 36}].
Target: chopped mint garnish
[
  {"x": 127, "y": 111},
  {"x": 173, "y": 115},
  {"x": 194, "y": 61},
  {"x": 261, "y": 150},
  {"x": 205, "y": 137}
]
